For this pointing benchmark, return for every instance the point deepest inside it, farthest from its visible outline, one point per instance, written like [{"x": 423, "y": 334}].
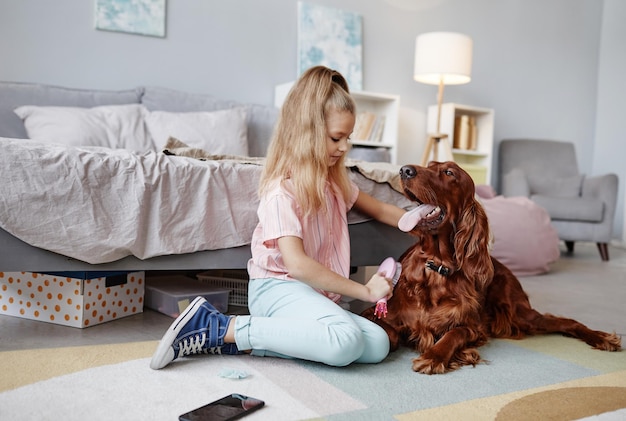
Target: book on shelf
[
  {"x": 366, "y": 121},
  {"x": 358, "y": 126},
  {"x": 368, "y": 127},
  {"x": 377, "y": 131}
]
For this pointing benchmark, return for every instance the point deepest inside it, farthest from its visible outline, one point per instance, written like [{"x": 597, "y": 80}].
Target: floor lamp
[{"x": 441, "y": 58}]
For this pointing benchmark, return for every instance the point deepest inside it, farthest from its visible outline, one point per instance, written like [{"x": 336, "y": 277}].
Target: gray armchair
[{"x": 581, "y": 208}]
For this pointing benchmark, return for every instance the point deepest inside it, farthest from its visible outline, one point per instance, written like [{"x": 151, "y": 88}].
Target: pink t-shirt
[{"x": 324, "y": 234}]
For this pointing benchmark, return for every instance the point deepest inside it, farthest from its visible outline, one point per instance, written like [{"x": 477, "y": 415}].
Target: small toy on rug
[{"x": 231, "y": 373}]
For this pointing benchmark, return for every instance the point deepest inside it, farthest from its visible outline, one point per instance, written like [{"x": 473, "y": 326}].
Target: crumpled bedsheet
[{"x": 99, "y": 205}]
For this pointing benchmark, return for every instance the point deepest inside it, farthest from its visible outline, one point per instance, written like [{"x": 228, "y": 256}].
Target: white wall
[
  {"x": 610, "y": 131},
  {"x": 546, "y": 67}
]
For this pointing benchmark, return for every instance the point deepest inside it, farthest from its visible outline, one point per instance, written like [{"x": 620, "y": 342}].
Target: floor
[{"x": 580, "y": 286}]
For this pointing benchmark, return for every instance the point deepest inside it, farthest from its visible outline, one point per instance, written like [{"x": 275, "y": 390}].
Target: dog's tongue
[{"x": 410, "y": 219}]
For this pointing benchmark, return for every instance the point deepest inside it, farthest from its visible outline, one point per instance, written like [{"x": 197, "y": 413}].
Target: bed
[{"x": 130, "y": 180}]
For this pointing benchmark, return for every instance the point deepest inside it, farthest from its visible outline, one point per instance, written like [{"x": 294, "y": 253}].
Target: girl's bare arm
[
  {"x": 316, "y": 275},
  {"x": 381, "y": 211}
]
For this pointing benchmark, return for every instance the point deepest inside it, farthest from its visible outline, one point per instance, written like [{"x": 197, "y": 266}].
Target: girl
[{"x": 300, "y": 248}]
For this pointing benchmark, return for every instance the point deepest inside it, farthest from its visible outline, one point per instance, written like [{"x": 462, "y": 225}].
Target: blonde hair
[{"x": 298, "y": 148}]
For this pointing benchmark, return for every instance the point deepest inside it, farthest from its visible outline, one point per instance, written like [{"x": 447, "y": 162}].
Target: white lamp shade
[{"x": 443, "y": 57}]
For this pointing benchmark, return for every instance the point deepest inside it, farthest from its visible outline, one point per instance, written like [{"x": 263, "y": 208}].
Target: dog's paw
[
  {"x": 609, "y": 342},
  {"x": 468, "y": 356},
  {"x": 428, "y": 366}
]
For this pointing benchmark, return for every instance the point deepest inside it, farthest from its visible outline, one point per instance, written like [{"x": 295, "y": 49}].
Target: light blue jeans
[{"x": 289, "y": 319}]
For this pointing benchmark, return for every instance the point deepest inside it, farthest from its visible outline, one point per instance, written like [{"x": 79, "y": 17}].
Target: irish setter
[{"x": 452, "y": 295}]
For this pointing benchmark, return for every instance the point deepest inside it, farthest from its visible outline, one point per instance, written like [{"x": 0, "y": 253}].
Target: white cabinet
[
  {"x": 476, "y": 161},
  {"x": 383, "y": 106}
]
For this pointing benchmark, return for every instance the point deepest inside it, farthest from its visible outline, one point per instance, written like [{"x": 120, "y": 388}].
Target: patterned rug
[{"x": 547, "y": 378}]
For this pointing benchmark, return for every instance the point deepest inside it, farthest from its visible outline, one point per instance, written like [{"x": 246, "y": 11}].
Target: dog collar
[{"x": 442, "y": 270}]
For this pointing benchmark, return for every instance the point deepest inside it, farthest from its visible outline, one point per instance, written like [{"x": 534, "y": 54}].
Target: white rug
[
  {"x": 133, "y": 391},
  {"x": 114, "y": 382}
]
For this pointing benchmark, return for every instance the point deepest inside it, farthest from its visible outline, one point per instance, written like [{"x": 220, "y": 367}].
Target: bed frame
[{"x": 371, "y": 242}]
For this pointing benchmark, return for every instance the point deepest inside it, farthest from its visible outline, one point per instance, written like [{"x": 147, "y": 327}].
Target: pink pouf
[{"x": 524, "y": 239}]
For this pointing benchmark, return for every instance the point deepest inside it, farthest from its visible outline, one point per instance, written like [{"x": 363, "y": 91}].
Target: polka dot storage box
[{"x": 77, "y": 299}]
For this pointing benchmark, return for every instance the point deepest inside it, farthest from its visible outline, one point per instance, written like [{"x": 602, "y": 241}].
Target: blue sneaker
[{"x": 200, "y": 329}]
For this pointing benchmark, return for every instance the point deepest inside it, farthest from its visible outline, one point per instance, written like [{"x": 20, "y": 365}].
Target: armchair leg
[
  {"x": 570, "y": 247},
  {"x": 604, "y": 251}
]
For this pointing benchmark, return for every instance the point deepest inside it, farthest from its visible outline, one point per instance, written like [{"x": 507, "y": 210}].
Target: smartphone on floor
[{"x": 231, "y": 407}]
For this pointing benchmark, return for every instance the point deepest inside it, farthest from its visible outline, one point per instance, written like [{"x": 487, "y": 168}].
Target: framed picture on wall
[
  {"x": 143, "y": 17},
  {"x": 332, "y": 38}
]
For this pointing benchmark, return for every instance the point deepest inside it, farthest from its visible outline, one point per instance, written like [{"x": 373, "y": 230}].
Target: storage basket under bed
[{"x": 235, "y": 280}]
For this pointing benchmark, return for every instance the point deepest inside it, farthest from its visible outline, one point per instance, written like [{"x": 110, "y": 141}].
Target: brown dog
[{"x": 452, "y": 295}]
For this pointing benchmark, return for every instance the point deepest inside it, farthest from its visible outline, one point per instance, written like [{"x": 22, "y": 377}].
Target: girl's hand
[{"x": 378, "y": 287}]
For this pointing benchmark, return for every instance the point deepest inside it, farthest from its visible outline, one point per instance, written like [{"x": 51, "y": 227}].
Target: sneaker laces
[
  {"x": 196, "y": 345},
  {"x": 193, "y": 345}
]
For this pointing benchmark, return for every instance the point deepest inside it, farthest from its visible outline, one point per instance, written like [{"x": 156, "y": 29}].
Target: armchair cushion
[
  {"x": 555, "y": 187},
  {"x": 571, "y": 208}
]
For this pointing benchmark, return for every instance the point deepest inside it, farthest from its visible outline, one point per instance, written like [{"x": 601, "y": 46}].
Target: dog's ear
[{"x": 471, "y": 244}]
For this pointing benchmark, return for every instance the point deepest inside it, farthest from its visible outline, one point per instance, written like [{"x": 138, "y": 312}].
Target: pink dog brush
[{"x": 390, "y": 269}]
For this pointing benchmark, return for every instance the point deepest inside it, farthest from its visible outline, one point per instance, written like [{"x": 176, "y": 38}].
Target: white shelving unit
[
  {"x": 379, "y": 104},
  {"x": 477, "y": 161}
]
